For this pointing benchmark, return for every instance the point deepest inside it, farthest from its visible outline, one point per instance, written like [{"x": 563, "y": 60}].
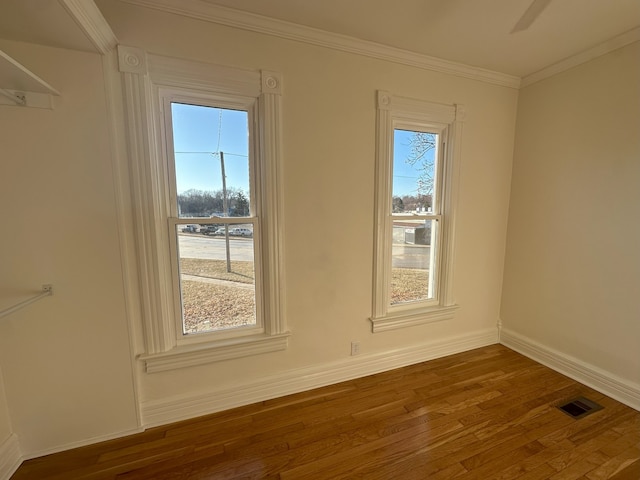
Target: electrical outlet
[{"x": 355, "y": 348}]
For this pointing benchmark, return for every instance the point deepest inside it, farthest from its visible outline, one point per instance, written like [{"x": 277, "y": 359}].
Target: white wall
[
  {"x": 65, "y": 359},
  {"x": 329, "y": 156},
  {"x": 572, "y": 271}
]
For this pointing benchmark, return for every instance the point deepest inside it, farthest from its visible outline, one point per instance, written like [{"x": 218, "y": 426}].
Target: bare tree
[{"x": 421, "y": 144}]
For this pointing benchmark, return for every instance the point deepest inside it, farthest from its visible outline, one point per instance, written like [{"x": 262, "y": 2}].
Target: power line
[{"x": 213, "y": 153}]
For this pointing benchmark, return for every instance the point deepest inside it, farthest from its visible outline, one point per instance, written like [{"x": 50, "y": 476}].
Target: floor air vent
[{"x": 579, "y": 407}]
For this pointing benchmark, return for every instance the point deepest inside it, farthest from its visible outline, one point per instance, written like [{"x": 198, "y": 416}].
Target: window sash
[
  {"x": 435, "y": 215},
  {"x": 203, "y": 337}
]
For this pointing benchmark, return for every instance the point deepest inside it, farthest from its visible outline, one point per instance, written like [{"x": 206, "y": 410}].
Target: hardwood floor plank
[
  {"x": 631, "y": 472},
  {"x": 532, "y": 463},
  {"x": 577, "y": 469},
  {"x": 486, "y": 465},
  {"x": 485, "y": 414},
  {"x": 615, "y": 464}
]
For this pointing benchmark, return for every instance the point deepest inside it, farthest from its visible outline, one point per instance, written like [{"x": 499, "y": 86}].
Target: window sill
[
  {"x": 215, "y": 351},
  {"x": 411, "y": 318}
]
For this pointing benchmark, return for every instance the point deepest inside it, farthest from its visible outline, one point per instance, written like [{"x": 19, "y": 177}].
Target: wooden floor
[{"x": 485, "y": 414}]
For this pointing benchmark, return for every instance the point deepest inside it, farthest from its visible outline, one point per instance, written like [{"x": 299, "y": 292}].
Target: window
[
  {"x": 416, "y": 175},
  {"x": 204, "y": 145},
  {"x": 214, "y": 258}
]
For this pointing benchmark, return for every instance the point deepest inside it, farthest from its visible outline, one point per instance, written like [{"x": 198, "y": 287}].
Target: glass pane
[
  {"x": 217, "y": 285},
  {"x": 412, "y": 260},
  {"x": 211, "y": 150},
  {"x": 414, "y": 155}
]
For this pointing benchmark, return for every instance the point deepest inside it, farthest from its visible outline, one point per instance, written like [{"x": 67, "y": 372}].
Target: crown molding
[
  {"x": 202, "y": 10},
  {"x": 89, "y": 18},
  {"x": 608, "y": 46}
]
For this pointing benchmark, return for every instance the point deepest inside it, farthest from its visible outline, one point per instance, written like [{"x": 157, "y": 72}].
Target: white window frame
[
  {"x": 395, "y": 112},
  {"x": 150, "y": 83}
]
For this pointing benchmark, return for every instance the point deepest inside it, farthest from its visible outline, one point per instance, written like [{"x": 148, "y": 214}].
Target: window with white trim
[
  {"x": 417, "y": 160},
  {"x": 204, "y": 147}
]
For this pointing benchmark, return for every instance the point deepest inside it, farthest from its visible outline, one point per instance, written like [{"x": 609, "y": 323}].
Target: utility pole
[{"x": 225, "y": 208}]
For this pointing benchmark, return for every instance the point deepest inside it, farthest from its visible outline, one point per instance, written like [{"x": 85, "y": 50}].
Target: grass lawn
[{"x": 219, "y": 299}]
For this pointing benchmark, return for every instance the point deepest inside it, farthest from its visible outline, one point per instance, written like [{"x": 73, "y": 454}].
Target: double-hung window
[
  {"x": 204, "y": 148},
  {"x": 416, "y": 175},
  {"x": 212, "y": 215}
]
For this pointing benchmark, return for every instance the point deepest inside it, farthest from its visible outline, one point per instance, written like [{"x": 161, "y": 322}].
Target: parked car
[
  {"x": 191, "y": 228},
  {"x": 240, "y": 232},
  {"x": 209, "y": 229}
]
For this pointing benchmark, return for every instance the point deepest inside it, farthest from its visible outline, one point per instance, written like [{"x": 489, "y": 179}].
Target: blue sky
[
  {"x": 405, "y": 176},
  {"x": 200, "y": 132}
]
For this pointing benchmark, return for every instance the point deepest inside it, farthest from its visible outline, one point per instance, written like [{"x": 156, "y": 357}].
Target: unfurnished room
[{"x": 293, "y": 239}]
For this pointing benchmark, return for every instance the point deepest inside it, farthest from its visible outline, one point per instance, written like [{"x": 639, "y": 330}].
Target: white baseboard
[
  {"x": 10, "y": 457},
  {"x": 81, "y": 443},
  {"x": 160, "y": 412},
  {"x": 605, "y": 382}
]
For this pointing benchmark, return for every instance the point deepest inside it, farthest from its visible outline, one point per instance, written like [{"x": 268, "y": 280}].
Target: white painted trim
[
  {"x": 446, "y": 119},
  {"x": 10, "y": 457},
  {"x": 124, "y": 218},
  {"x": 89, "y": 18},
  {"x": 81, "y": 443},
  {"x": 606, "y": 47},
  {"x": 412, "y": 318},
  {"x": 147, "y": 80},
  {"x": 214, "y": 351},
  {"x": 605, "y": 382},
  {"x": 208, "y": 12},
  {"x": 159, "y": 412}
]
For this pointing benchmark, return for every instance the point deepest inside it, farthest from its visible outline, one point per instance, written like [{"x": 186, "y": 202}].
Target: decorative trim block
[
  {"x": 384, "y": 100},
  {"x": 271, "y": 82},
  {"x": 132, "y": 60}
]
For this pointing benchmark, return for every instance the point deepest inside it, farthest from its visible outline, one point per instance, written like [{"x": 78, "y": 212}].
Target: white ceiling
[{"x": 471, "y": 32}]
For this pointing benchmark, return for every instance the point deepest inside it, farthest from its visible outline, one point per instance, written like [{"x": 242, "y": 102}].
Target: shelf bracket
[{"x": 14, "y": 97}]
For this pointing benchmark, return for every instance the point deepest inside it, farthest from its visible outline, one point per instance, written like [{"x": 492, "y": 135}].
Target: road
[
  {"x": 411, "y": 256},
  {"x": 213, "y": 248}
]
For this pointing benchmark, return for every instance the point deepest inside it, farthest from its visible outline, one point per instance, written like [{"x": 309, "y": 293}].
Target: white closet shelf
[{"x": 20, "y": 86}]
